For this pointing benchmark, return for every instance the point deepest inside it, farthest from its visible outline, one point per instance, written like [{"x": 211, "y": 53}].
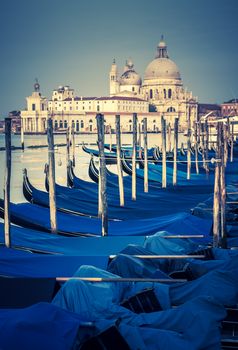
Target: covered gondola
[{"x": 38, "y": 217}]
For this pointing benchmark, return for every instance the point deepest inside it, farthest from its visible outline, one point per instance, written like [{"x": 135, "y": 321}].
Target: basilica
[{"x": 159, "y": 93}]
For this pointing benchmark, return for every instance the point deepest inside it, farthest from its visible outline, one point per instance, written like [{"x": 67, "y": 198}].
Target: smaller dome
[{"x": 130, "y": 77}]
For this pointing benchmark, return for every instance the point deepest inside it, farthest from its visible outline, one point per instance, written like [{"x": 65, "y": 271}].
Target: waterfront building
[
  {"x": 34, "y": 117},
  {"x": 230, "y": 108},
  {"x": 160, "y": 93}
]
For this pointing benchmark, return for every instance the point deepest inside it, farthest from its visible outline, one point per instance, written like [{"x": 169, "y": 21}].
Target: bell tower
[{"x": 113, "y": 77}]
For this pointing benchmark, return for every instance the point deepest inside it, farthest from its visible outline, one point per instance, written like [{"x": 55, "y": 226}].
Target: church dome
[
  {"x": 162, "y": 67},
  {"x": 130, "y": 77}
]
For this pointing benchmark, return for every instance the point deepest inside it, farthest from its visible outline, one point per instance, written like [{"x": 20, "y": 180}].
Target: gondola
[
  {"x": 37, "y": 217},
  {"x": 85, "y": 201},
  {"x": 110, "y": 157}
]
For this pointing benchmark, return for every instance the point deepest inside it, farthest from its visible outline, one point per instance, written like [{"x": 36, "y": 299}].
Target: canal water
[{"x": 34, "y": 159}]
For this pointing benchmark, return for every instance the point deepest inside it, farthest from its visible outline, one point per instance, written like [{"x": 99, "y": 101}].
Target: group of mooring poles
[{"x": 219, "y": 220}]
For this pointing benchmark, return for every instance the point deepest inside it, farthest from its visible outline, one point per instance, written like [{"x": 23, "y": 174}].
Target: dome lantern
[
  {"x": 162, "y": 49},
  {"x": 162, "y": 67}
]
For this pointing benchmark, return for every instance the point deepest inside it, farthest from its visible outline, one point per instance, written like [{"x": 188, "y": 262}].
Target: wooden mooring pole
[
  {"x": 51, "y": 161},
  {"x": 169, "y": 137},
  {"x": 73, "y": 144},
  {"x": 224, "y": 155},
  {"x": 196, "y": 145},
  {"x": 119, "y": 167},
  {"x": 175, "y": 151},
  {"x": 206, "y": 127},
  {"x": 146, "y": 187},
  {"x": 216, "y": 198},
  {"x": 7, "y": 182},
  {"x": 102, "y": 171},
  {"x": 134, "y": 154},
  {"x": 163, "y": 135},
  {"x": 22, "y": 135},
  {"x": 232, "y": 142},
  {"x": 67, "y": 152},
  {"x": 189, "y": 146},
  {"x": 139, "y": 135}
]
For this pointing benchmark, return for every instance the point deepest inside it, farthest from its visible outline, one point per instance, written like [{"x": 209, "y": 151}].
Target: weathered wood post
[
  {"x": 202, "y": 138},
  {"x": 164, "y": 170},
  {"x": 119, "y": 167},
  {"x": 73, "y": 144},
  {"x": 206, "y": 140},
  {"x": 22, "y": 135},
  {"x": 175, "y": 151},
  {"x": 67, "y": 152},
  {"x": 169, "y": 137},
  {"x": 110, "y": 130},
  {"x": 189, "y": 146},
  {"x": 232, "y": 142},
  {"x": 216, "y": 198},
  {"x": 51, "y": 161},
  {"x": 134, "y": 156},
  {"x": 102, "y": 172},
  {"x": 196, "y": 145},
  {"x": 225, "y": 143},
  {"x": 139, "y": 136},
  {"x": 7, "y": 182},
  {"x": 146, "y": 187},
  {"x": 223, "y": 188}
]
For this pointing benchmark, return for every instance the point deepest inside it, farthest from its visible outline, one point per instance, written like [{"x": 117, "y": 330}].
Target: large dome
[{"x": 162, "y": 68}]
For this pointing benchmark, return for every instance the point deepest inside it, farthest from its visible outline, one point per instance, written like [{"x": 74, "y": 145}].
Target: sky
[{"x": 73, "y": 42}]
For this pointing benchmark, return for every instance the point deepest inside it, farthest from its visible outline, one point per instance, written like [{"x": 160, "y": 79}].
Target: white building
[
  {"x": 161, "y": 93},
  {"x": 34, "y": 118}
]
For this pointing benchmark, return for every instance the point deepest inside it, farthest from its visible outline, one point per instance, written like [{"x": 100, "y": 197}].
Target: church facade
[
  {"x": 162, "y": 87},
  {"x": 160, "y": 93}
]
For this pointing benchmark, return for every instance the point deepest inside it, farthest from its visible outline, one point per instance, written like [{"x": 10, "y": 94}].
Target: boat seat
[
  {"x": 186, "y": 273},
  {"x": 143, "y": 302},
  {"x": 207, "y": 252},
  {"x": 110, "y": 339},
  {"x": 19, "y": 292}
]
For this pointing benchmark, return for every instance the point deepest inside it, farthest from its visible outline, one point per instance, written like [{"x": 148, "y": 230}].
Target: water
[{"x": 34, "y": 159}]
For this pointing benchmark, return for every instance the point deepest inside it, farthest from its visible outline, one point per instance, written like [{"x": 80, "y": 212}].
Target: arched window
[
  {"x": 171, "y": 109},
  {"x": 73, "y": 124},
  {"x": 82, "y": 124},
  {"x": 98, "y": 108},
  {"x": 61, "y": 124},
  {"x": 133, "y": 89},
  {"x": 90, "y": 121},
  {"x": 169, "y": 93},
  {"x": 151, "y": 93},
  {"x": 56, "y": 124},
  {"x": 65, "y": 124},
  {"x": 164, "y": 93},
  {"x": 90, "y": 128},
  {"x": 77, "y": 125}
]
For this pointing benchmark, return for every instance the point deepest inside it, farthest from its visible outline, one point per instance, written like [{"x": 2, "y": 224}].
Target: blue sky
[{"x": 73, "y": 43}]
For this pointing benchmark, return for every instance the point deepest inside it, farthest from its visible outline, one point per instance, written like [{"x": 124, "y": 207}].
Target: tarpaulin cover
[
  {"x": 41, "y": 326},
  {"x": 37, "y": 217},
  {"x": 96, "y": 301}
]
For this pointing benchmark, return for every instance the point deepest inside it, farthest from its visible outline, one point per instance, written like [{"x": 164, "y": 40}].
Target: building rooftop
[{"x": 106, "y": 98}]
